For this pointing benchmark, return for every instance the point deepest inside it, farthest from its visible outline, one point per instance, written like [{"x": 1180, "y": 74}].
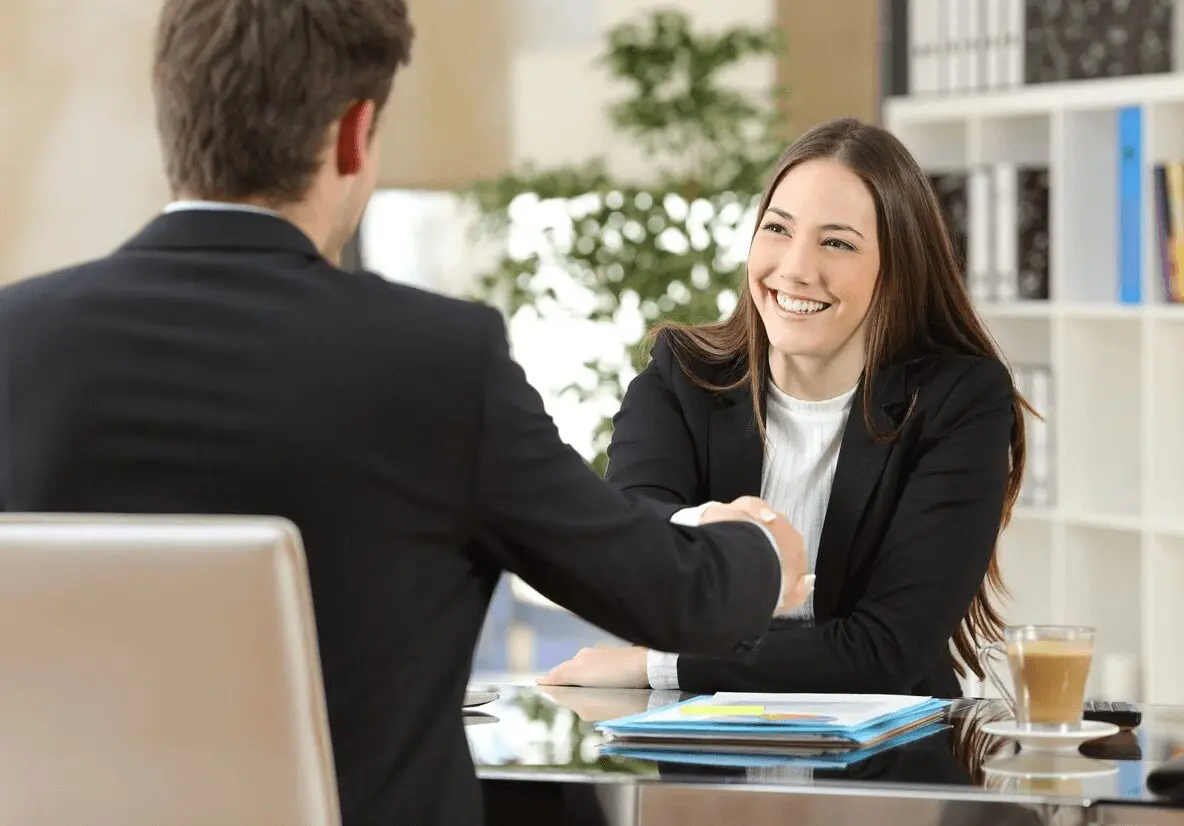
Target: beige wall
[
  {"x": 831, "y": 66},
  {"x": 81, "y": 169},
  {"x": 448, "y": 120},
  {"x": 468, "y": 105}
]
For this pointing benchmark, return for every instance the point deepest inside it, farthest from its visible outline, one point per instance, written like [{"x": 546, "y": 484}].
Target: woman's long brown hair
[{"x": 920, "y": 305}]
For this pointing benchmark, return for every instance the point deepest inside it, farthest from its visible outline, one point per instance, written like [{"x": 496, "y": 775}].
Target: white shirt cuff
[
  {"x": 662, "y": 670},
  {"x": 690, "y": 517},
  {"x": 663, "y": 698}
]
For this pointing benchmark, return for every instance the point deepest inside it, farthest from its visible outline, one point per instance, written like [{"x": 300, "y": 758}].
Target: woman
[{"x": 855, "y": 390}]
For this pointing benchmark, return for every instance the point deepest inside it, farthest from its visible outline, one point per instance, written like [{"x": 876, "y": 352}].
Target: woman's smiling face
[{"x": 813, "y": 265}]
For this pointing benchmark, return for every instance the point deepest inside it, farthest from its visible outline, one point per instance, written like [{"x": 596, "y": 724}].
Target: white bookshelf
[{"x": 1109, "y": 552}]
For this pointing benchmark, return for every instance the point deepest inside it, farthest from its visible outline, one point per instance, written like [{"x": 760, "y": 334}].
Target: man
[{"x": 218, "y": 362}]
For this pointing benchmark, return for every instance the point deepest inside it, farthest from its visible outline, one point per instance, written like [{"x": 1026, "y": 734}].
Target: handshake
[{"x": 797, "y": 584}]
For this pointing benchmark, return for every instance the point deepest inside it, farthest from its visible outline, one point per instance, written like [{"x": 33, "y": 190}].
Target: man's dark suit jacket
[
  {"x": 908, "y": 532},
  {"x": 217, "y": 364}
]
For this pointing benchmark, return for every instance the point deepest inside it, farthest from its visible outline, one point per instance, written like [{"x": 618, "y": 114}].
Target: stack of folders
[{"x": 846, "y": 726}]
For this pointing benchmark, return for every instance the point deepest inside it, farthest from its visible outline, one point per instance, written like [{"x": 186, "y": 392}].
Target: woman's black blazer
[{"x": 909, "y": 528}]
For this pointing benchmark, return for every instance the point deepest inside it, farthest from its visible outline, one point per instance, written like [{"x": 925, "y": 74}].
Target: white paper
[{"x": 844, "y": 710}]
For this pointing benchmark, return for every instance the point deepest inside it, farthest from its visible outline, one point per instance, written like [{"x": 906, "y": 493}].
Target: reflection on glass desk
[{"x": 547, "y": 734}]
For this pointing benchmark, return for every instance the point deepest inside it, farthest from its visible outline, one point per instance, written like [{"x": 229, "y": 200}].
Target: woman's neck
[{"x": 815, "y": 378}]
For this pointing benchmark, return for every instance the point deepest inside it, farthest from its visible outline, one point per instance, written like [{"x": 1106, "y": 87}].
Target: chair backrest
[{"x": 160, "y": 670}]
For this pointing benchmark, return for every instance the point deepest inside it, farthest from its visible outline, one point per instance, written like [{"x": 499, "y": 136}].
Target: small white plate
[
  {"x": 479, "y": 698},
  {"x": 1048, "y": 765},
  {"x": 1064, "y": 741}
]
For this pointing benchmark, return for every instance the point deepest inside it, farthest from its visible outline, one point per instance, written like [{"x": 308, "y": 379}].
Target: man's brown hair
[{"x": 246, "y": 90}]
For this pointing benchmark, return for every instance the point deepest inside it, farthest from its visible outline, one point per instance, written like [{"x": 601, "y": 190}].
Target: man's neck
[{"x": 184, "y": 204}]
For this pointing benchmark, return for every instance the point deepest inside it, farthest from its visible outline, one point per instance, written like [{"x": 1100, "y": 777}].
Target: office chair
[{"x": 160, "y": 670}]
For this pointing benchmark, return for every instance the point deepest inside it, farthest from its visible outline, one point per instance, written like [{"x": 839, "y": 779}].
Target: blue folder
[
  {"x": 754, "y": 730},
  {"x": 816, "y": 760}
]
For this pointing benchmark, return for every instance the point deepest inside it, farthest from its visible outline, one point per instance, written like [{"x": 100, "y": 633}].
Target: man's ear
[{"x": 353, "y": 137}]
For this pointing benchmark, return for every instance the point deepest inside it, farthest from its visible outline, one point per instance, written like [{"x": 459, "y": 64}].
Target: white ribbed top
[{"x": 801, "y": 455}]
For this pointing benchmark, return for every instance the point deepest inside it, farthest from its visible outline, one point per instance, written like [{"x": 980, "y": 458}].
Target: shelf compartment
[
  {"x": 938, "y": 147},
  {"x": 1165, "y": 617},
  {"x": 1023, "y": 140},
  {"x": 1098, "y": 415},
  {"x": 1026, "y": 561},
  {"x": 1166, "y": 397},
  {"x": 1103, "y": 589},
  {"x": 1023, "y": 339},
  {"x": 1164, "y": 140},
  {"x": 1027, "y": 347},
  {"x": 991, "y": 311}
]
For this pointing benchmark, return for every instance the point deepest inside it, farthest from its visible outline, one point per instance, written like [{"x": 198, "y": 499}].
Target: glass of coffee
[{"x": 1049, "y": 665}]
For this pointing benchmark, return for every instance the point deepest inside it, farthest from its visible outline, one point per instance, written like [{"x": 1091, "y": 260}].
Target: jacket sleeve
[
  {"x": 544, "y": 515},
  {"x": 652, "y": 453},
  {"x": 930, "y": 563}
]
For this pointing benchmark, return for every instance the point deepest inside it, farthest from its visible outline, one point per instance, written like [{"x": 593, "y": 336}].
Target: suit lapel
[
  {"x": 736, "y": 457},
  {"x": 861, "y": 461},
  {"x": 735, "y": 452}
]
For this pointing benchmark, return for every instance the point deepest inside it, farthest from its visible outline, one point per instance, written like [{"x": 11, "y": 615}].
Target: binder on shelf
[
  {"x": 1009, "y": 248},
  {"x": 1031, "y": 268},
  {"x": 897, "y": 47},
  {"x": 995, "y": 53},
  {"x": 982, "y": 227},
  {"x": 1130, "y": 205},
  {"x": 1169, "y": 223},
  {"x": 1034, "y": 383},
  {"x": 1006, "y": 270},
  {"x": 951, "y": 191},
  {"x": 925, "y": 39},
  {"x": 1163, "y": 232},
  {"x": 963, "y": 46},
  {"x": 1014, "y": 35},
  {"x": 1081, "y": 40}
]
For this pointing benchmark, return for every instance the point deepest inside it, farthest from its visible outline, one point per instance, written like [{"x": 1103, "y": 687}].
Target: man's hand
[{"x": 794, "y": 563}]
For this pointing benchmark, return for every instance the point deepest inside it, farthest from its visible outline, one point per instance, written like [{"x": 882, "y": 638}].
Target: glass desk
[{"x": 956, "y": 777}]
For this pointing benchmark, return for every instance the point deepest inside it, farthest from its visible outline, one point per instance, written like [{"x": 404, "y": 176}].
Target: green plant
[{"x": 616, "y": 251}]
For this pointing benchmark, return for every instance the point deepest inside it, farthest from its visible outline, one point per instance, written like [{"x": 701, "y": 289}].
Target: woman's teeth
[{"x": 799, "y": 305}]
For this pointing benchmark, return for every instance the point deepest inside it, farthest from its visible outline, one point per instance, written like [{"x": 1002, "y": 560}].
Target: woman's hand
[
  {"x": 602, "y": 668},
  {"x": 743, "y": 507},
  {"x": 593, "y": 705}
]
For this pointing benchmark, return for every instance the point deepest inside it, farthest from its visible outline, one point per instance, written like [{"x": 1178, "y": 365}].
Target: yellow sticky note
[{"x": 724, "y": 711}]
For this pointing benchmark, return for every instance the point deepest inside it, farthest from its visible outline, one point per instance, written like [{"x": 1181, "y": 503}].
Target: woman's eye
[
  {"x": 773, "y": 226},
  {"x": 838, "y": 244}
]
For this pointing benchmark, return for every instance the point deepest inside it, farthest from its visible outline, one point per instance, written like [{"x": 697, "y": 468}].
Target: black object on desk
[
  {"x": 1123, "y": 715},
  {"x": 1122, "y": 746},
  {"x": 1167, "y": 780}
]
